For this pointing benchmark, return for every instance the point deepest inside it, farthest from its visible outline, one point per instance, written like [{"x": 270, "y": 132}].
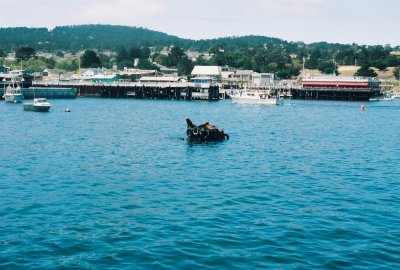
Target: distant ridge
[
  {"x": 76, "y": 37},
  {"x": 98, "y": 36}
]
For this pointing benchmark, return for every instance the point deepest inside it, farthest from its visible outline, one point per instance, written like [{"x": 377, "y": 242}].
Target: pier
[
  {"x": 176, "y": 91},
  {"x": 49, "y": 92},
  {"x": 334, "y": 94},
  {"x": 326, "y": 87}
]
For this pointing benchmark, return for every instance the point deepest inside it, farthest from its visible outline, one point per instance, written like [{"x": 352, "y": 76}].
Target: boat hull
[
  {"x": 36, "y": 108},
  {"x": 13, "y": 98},
  {"x": 271, "y": 101}
]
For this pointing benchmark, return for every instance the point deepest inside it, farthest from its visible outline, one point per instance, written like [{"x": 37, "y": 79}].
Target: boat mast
[{"x": 4, "y": 85}]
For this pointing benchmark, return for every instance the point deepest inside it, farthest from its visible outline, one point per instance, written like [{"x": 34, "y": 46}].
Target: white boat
[
  {"x": 38, "y": 105},
  {"x": 381, "y": 99},
  {"x": 396, "y": 96},
  {"x": 255, "y": 97},
  {"x": 13, "y": 94}
]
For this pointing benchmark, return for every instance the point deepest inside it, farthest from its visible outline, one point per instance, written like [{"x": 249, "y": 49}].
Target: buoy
[
  {"x": 67, "y": 110},
  {"x": 362, "y": 107}
]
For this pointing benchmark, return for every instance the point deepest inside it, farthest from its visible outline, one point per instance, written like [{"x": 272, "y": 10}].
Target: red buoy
[{"x": 362, "y": 107}]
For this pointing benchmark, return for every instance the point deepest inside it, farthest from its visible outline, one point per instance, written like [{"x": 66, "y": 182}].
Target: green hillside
[{"x": 262, "y": 54}]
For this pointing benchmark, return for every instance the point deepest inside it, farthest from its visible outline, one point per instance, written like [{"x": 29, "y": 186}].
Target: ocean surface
[{"x": 113, "y": 185}]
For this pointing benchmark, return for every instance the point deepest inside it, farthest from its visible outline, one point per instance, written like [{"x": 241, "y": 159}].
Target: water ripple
[{"x": 313, "y": 185}]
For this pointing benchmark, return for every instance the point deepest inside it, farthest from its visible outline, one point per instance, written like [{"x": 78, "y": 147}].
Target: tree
[
  {"x": 60, "y": 54},
  {"x": 2, "y": 53},
  {"x": 122, "y": 54},
  {"x": 327, "y": 67},
  {"x": 365, "y": 71},
  {"x": 288, "y": 73},
  {"x": 35, "y": 65},
  {"x": 68, "y": 65},
  {"x": 106, "y": 61},
  {"x": 146, "y": 64},
  {"x": 200, "y": 61},
  {"x": 381, "y": 65},
  {"x": 175, "y": 55},
  {"x": 125, "y": 64},
  {"x": 146, "y": 52},
  {"x": 185, "y": 66},
  {"x": 90, "y": 59},
  {"x": 25, "y": 53},
  {"x": 135, "y": 52}
]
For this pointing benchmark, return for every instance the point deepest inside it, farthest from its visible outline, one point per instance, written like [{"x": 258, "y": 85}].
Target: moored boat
[
  {"x": 255, "y": 97},
  {"x": 13, "y": 95},
  {"x": 38, "y": 105},
  {"x": 396, "y": 96}
]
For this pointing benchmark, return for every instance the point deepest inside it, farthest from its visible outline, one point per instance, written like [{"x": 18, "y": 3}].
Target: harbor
[
  {"x": 260, "y": 139},
  {"x": 130, "y": 181},
  {"x": 205, "y": 83}
]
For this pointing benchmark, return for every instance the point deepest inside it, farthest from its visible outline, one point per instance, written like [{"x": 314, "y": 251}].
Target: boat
[
  {"x": 384, "y": 97},
  {"x": 381, "y": 99},
  {"x": 396, "y": 96},
  {"x": 38, "y": 105},
  {"x": 255, "y": 97},
  {"x": 13, "y": 94}
]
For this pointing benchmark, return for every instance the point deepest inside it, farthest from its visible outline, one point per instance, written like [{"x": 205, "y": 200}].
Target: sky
[{"x": 367, "y": 22}]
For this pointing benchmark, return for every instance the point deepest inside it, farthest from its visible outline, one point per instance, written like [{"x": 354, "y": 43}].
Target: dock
[
  {"x": 176, "y": 91},
  {"x": 49, "y": 92},
  {"x": 326, "y": 87}
]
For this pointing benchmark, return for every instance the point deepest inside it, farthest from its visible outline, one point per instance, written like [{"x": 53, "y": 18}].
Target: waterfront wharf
[
  {"x": 176, "y": 91},
  {"x": 49, "y": 92},
  {"x": 338, "y": 94},
  {"x": 328, "y": 87}
]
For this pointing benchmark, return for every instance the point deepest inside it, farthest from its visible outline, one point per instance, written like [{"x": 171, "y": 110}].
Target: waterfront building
[
  {"x": 204, "y": 79},
  {"x": 262, "y": 79},
  {"x": 4, "y": 69},
  {"x": 172, "y": 72},
  {"x": 331, "y": 87},
  {"x": 103, "y": 78},
  {"x": 134, "y": 74},
  {"x": 20, "y": 77},
  {"x": 159, "y": 81},
  {"x": 244, "y": 77}
]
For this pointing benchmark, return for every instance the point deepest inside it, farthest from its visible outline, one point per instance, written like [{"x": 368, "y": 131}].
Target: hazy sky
[{"x": 344, "y": 21}]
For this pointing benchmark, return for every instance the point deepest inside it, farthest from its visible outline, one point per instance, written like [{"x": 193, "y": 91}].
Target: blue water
[{"x": 112, "y": 185}]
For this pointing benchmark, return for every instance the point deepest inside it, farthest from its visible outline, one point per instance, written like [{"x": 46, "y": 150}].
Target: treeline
[
  {"x": 76, "y": 38},
  {"x": 262, "y": 54}
]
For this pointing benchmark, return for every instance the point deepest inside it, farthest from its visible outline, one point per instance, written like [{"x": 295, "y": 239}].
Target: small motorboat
[
  {"x": 255, "y": 97},
  {"x": 38, "y": 105}
]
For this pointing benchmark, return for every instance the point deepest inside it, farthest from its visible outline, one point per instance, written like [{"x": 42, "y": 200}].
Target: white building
[
  {"x": 262, "y": 79},
  {"x": 203, "y": 78},
  {"x": 211, "y": 72}
]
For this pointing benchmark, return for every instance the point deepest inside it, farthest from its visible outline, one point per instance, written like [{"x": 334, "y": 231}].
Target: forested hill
[
  {"x": 96, "y": 36},
  {"x": 79, "y": 37},
  {"x": 262, "y": 54}
]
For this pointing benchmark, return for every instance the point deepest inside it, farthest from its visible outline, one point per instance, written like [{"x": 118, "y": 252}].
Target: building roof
[
  {"x": 206, "y": 70},
  {"x": 159, "y": 79},
  {"x": 334, "y": 78},
  {"x": 101, "y": 76}
]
